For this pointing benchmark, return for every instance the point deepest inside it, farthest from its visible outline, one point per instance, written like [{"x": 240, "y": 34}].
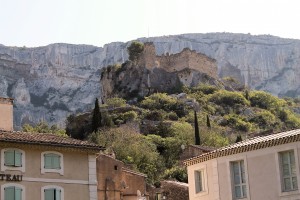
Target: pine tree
[
  {"x": 97, "y": 118},
  {"x": 208, "y": 121},
  {"x": 197, "y": 133}
]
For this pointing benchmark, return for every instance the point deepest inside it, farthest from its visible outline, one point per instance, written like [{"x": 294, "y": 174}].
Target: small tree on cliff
[
  {"x": 135, "y": 49},
  {"x": 97, "y": 118},
  {"x": 197, "y": 133}
]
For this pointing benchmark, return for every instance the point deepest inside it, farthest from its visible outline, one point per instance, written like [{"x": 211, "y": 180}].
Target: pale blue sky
[{"x": 97, "y": 22}]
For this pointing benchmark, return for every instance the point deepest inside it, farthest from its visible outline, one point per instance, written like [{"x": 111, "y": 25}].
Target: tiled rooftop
[
  {"x": 46, "y": 139},
  {"x": 248, "y": 145}
]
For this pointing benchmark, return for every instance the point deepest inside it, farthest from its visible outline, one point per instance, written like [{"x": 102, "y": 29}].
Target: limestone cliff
[
  {"x": 53, "y": 81},
  {"x": 49, "y": 83},
  {"x": 151, "y": 73}
]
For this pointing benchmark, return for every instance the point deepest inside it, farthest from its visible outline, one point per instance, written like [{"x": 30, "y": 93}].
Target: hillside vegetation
[{"x": 150, "y": 135}]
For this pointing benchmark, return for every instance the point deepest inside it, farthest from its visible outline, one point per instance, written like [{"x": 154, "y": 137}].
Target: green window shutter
[
  {"x": 58, "y": 194},
  {"x": 9, "y": 193},
  {"x": 18, "y": 194},
  {"x": 9, "y": 159},
  {"x": 18, "y": 159},
  {"x": 49, "y": 194},
  {"x": 56, "y": 162},
  {"x": 47, "y": 161}
]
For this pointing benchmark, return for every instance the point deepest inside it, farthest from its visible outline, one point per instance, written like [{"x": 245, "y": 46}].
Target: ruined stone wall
[{"x": 186, "y": 59}]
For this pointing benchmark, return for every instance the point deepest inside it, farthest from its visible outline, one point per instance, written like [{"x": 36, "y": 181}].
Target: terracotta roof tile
[
  {"x": 248, "y": 145},
  {"x": 46, "y": 139}
]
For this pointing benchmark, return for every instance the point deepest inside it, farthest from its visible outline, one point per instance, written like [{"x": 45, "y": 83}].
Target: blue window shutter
[
  {"x": 9, "y": 159},
  {"x": 18, "y": 159},
  {"x": 56, "y": 161},
  {"x": 9, "y": 193},
  {"x": 47, "y": 161},
  {"x": 58, "y": 194},
  {"x": 18, "y": 193},
  {"x": 49, "y": 194}
]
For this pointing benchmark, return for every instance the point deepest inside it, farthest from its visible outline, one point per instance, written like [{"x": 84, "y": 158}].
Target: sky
[{"x": 33, "y": 23}]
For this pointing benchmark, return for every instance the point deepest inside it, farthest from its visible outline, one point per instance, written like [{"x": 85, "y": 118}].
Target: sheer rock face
[
  {"x": 49, "y": 83},
  {"x": 56, "y": 80}
]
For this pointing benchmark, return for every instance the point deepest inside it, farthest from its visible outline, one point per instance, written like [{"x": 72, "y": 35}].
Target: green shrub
[
  {"x": 237, "y": 122},
  {"x": 228, "y": 98},
  {"x": 265, "y": 100},
  {"x": 205, "y": 89},
  {"x": 172, "y": 116},
  {"x": 130, "y": 115},
  {"x": 177, "y": 173},
  {"x": 155, "y": 115},
  {"x": 115, "y": 102},
  {"x": 135, "y": 49},
  {"x": 264, "y": 119}
]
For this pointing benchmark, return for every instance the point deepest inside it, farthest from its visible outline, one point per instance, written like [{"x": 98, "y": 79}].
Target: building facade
[
  {"x": 45, "y": 166},
  {"x": 259, "y": 168},
  {"x": 35, "y": 166},
  {"x": 116, "y": 182}
]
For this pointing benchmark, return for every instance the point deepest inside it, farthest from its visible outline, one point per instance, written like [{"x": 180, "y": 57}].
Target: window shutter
[
  {"x": 9, "y": 193},
  {"x": 47, "y": 161},
  {"x": 18, "y": 159},
  {"x": 58, "y": 194},
  {"x": 56, "y": 162},
  {"x": 18, "y": 194},
  {"x": 9, "y": 158},
  {"x": 49, "y": 194}
]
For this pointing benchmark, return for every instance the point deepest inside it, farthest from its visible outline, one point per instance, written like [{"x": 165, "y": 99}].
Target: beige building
[
  {"x": 37, "y": 166},
  {"x": 261, "y": 168},
  {"x": 6, "y": 114}
]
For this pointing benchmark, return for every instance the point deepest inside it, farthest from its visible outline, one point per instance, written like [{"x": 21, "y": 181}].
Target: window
[
  {"x": 239, "y": 179},
  {"x": 52, "y": 192},
  {"x": 288, "y": 171},
  {"x": 12, "y": 159},
  {"x": 199, "y": 186},
  {"x": 52, "y": 162},
  {"x": 12, "y": 191}
]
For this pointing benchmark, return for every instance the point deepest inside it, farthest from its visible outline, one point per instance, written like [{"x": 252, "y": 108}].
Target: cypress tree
[
  {"x": 197, "y": 133},
  {"x": 238, "y": 139},
  {"x": 97, "y": 118},
  {"x": 208, "y": 121}
]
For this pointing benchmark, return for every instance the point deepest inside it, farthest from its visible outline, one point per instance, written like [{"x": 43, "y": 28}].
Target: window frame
[
  {"x": 52, "y": 187},
  {"x": 200, "y": 174},
  {"x": 46, "y": 170},
  {"x": 13, "y": 168},
  {"x": 13, "y": 185},
  {"x": 290, "y": 176},
  {"x": 242, "y": 178},
  {"x": 203, "y": 170}
]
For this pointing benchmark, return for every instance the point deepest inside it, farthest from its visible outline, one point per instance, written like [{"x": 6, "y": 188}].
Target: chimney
[{"x": 6, "y": 114}]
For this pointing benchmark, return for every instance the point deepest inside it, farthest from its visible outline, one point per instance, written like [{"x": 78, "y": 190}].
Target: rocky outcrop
[
  {"x": 152, "y": 73},
  {"x": 56, "y": 80}
]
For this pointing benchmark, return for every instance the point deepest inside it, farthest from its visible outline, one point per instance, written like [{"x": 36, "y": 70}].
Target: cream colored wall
[
  {"x": 6, "y": 116},
  {"x": 74, "y": 164},
  {"x": 71, "y": 191},
  {"x": 263, "y": 174},
  {"x": 74, "y": 181},
  {"x": 209, "y": 181}
]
